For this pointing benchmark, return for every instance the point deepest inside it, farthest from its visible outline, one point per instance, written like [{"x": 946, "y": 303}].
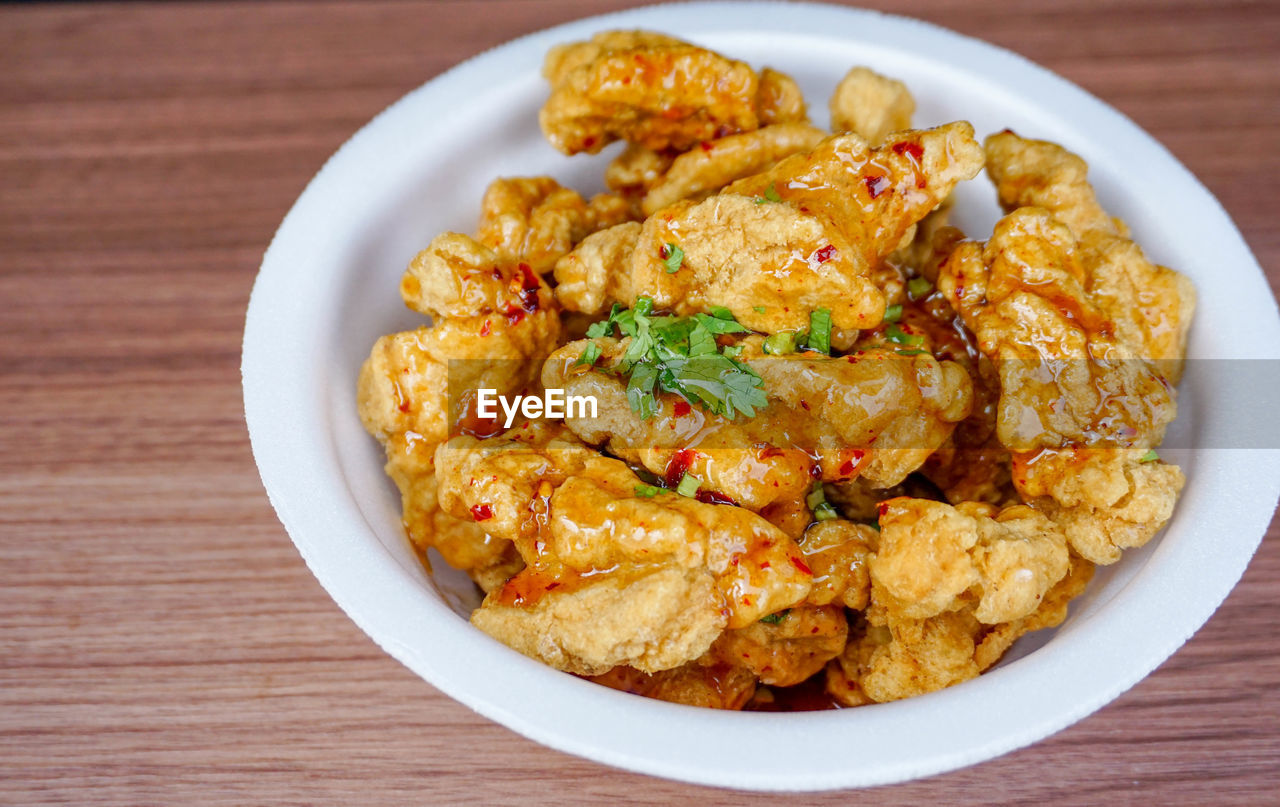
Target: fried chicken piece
[
  {"x": 888, "y": 659},
  {"x": 1037, "y": 173},
  {"x": 705, "y": 682},
  {"x": 842, "y": 208},
  {"x": 837, "y": 551},
  {"x": 933, "y": 557},
  {"x": 1050, "y": 614},
  {"x": 532, "y": 220},
  {"x": 1150, "y": 306},
  {"x": 904, "y": 659},
  {"x": 655, "y": 91},
  {"x": 872, "y": 414},
  {"x": 1065, "y": 377},
  {"x": 1068, "y": 384},
  {"x": 463, "y": 544},
  {"x": 1105, "y": 500},
  {"x": 871, "y": 105},
  {"x": 614, "y": 577},
  {"x": 789, "y": 647},
  {"x": 703, "y": 171},
  {"x": 492, "y": 320},
  {"x": 595, "y": 274},
  {"x": 779, "y": 100},
  {"x": 637, "y": 169}
]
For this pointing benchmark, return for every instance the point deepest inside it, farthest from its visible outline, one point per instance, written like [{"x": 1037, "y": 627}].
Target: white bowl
[{"x": 328, "y": 289}]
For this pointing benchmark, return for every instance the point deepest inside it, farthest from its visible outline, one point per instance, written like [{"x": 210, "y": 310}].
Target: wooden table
[{"x": 160, "y": 640}]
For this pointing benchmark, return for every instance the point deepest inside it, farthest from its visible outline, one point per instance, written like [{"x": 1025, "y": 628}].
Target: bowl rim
[{"x": 291, "y": 436}]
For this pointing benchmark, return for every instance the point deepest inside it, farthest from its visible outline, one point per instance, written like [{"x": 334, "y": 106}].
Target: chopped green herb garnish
[
  {"x": 770, "y": 195},
  {"x": 720, "y": 312},
  {"x": 914, "y": 352},
  {"x": 893, "y": 313},
  {"x": 672, "y": 256},
  {"x": 822, "y": 509},
  {"x": 875, "y": 525},
  {"x": 773, "y": 619},
  {"x": 1150, "y": 456},
  {"x": 919, "y": 287},
  {"x": 759, "y": 309},
  {"x": 900, "y": 337},
  {"x": 731, "y": 351},
  {"x": 781, "y": 343},
  {"x": 680, "y": 355},
  {"x": 648, "y": 491},
  {"x": 589, "y": 355},
  {"x": 688, "y": 486},
  {"x": 820, "y": 330}
]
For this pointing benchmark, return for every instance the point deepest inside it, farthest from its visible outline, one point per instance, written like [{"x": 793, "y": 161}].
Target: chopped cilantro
[
  {"x": 900, "y": 337},
  {"x": 589, "y": 355},
  {"x": 780, "y": 343},
  {"x": 919, "y": 287},
  {"x": 913, "y": 352},
  {"x": 773, "y": 619},
  {"x": 893, "y": 313},
  {"x": 820, "y": 330},
  {"x": 681, "y": 355},
  {"x": 759, "y": 309},
  {"x": 648, "y": 491},
  {"x": 688, "y": 486},
  {"x": 1150, "y": 456},
  {"x": 672, "y": 256}
]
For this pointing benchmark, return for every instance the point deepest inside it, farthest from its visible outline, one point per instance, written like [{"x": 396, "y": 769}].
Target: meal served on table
[{"x": 838, "y": 452}]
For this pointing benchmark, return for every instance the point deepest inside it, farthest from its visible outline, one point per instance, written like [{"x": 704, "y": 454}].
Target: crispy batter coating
[
  {"x": 613, "y": 577},
  {"x": 703, "y": 171},
  {"x": 1105, "y": 500},
  {"x": 532, "y": 220},
  {"x": 1150, "y": 306},
  {"x": 779, "y": 100},
  {"x": 637, "y": 169},
  {"x": 875, "y": 414},
  {"x": 904, "y": 659},
  {"x": 493, "y": 318},
  {"x": 1065, "y": 377},
  {"x": 842, "y": 208},
  {"x": 871, "y": 105},
  {"x": 648, "y": 89},
  {"x": 1068, "y": 384},
  {"x": 838, "y": 551},
  {"x": 794, "y": 645},
  {"x": 705, "y": 682},
  {"x": 592, "y": 276},
  {"x": 934, "y": 557}
]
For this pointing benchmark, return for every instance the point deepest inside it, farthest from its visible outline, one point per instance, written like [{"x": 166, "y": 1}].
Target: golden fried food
[
  {"x": 807, "y": 233},
  {"x": 875, "y": 414},
  {"x": 704, "y": 682},
  {"x": 787, "y": 648},
  {"x": 703, "y": 171},
  {"x": 1149, "y": 306},
  {"x": 1076, "y": 402},
  {"x": 933, "y": 557},
  {"x": 758, "y": 428},
  {"x": 613, "y": 577},
  {"x": 533, "y": 220},
  {"x": 837, "y": 552},
  {"x": 657, "y": 92},
  {"x": 871, "y": 105}
]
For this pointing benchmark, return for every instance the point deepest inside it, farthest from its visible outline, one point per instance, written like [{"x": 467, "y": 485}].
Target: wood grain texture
[{"x": 160, "y": 640}]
